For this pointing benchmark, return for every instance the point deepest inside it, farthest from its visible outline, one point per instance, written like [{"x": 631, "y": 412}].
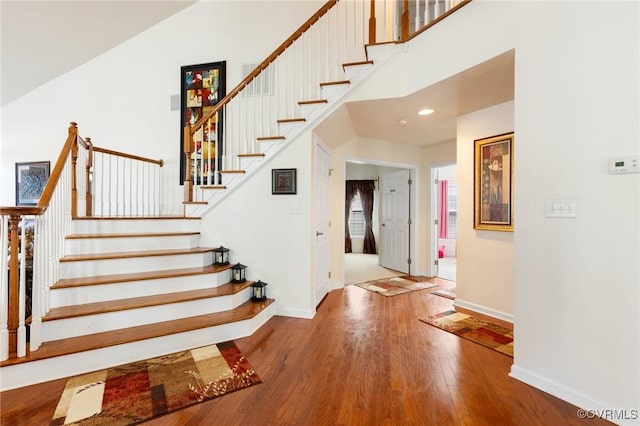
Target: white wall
[
  {"x": 485, "y": 259},
  {"x": 121, "y": 99},
  {"x": 272, "y": 234}
]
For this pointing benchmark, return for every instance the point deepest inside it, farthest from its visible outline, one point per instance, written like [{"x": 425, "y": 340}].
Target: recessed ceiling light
[
  {"x": 403, "y": 121},
  {"x": 425, "y": 111}
]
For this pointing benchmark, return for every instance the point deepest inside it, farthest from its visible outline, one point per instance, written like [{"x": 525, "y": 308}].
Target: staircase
[
  {"x": 307, "y": 113},
  {"x": 130, "y": 288},
  {"x": 128, "y": 292}
]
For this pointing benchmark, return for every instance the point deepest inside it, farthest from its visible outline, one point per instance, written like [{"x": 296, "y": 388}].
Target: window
[
  {"x": 452, "y": 192},
  {"x": 356, "y": 217}
]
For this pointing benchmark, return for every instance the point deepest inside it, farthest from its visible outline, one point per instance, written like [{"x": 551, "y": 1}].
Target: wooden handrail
[
  {"x": 129, "y": 156},
  {"x": 264, "y": 64}
]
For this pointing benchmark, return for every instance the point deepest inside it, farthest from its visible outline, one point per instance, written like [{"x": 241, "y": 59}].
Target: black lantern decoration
[
  {"x": 259, "y": 291},
  {"x": 237, "y": 273},
  {"x": 221, "y": 256}
]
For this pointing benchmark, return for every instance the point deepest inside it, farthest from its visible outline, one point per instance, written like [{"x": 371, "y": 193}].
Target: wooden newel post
[
  {"x": 14, "y": 286},
  {"x": 188, "y": 148},
  {"x": 88, "y": 198},
  {"x": 372, "y": 23},
  {"x": 404, "y": 22},
  {"x": 73, "y": 131}
]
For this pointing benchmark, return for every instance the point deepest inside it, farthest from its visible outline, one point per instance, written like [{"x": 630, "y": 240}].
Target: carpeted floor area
[{"x": 360, "y": 268}]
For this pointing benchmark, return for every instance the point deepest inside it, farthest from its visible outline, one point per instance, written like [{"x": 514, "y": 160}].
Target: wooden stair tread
[
  {"x": 132, "y": 334},
  {"x": 291, "y": 120},
  {"x": 311, "y": 102},
  {"x": 334, "y": 83},
  {"x": 138, "y": 276},
  {"x": 213, "y": 187},
  {"x": 232, "y": 171},
  {"x": 269, "y": 138},
  {"x": 127, "y": 254},
  {"x": 353, "y": 64},
  {"x": 258, "y": 154},
  {"x": 165, "y": 217},
  {"x": 143, "y": 301},
  {"x": 130, "y": 235}
]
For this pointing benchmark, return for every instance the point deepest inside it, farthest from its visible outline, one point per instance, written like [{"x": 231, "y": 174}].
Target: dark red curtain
[
  {"x": 350, "y": 192},
  {"x": 366, "y": 189}
]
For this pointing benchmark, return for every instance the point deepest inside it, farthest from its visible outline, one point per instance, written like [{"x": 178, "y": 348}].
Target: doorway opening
[
  {"x": 361, "y": 263},
  {"x": 446, "y": 203}
]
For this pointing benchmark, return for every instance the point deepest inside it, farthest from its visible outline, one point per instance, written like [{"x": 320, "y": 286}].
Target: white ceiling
[{"x": 41, "y": 40}]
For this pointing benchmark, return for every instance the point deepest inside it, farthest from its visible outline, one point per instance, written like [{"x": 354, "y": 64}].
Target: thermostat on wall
[{"x": 624, "y": 165}]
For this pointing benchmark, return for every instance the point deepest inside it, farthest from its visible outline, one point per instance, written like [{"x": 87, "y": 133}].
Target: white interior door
[
  {"x": 323, "y": 201},
  {"x": 395, "y": 220}
]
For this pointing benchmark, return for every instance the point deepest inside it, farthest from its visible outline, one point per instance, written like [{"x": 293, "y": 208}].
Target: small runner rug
[
  {"x": 395, "y": 285},
  {"x": 449, "y": 293},
  {"x": 479, "y": 331},
  {"x": 136, "y": 392}
]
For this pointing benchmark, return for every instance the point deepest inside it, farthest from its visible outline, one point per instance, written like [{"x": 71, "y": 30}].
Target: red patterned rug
[
  {"x": 136, "y": 392},
  {"x": 449, "y": 293},
  {"x": 479, "y": 331},
  {"x": 395, "y": 285}
]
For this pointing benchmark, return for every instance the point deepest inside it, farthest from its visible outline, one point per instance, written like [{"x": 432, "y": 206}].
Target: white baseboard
[
  {"x": 295, "y": 313},
  {"x": 588, "y": 407},
  {"x": 483, "y": 310}
]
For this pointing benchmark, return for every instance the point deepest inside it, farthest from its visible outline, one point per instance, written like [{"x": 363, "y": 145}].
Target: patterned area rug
[
  {"x": 479, "y": 331},
  {"x": 449, "y": 293},
  {"x": 395, "y": 285},
  {"x": 136, "y": 392}
]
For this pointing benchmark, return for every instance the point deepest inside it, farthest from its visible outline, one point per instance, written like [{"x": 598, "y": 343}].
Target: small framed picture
[
  {"x": 283, "y": 181},
  {"x": 31, "y": 179}
]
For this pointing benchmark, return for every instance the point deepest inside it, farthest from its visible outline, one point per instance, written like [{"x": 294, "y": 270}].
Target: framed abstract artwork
[
  {"x": 283, "y": 181},
  {"x": 202, "y": 87},
  {"x": 31, "y": 179},
  {"x": 493, "y": 183}
]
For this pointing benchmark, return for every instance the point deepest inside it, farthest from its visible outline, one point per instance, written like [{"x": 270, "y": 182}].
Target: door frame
[
  {"x": 412, "y": 207},
  {"x": 433, "y": 208}
]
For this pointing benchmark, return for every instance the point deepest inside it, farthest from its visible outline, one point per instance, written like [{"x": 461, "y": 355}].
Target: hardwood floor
[{"x": 364, "y": 359}]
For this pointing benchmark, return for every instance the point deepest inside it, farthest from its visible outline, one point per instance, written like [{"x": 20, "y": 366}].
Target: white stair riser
[
  {"x": 352, "y": 72},
  {"x": 286, "y": 128},
  {"x": 246, "y": 162},
  {"x": 334, "y": 91},
  {"x": 115, "y": 291},
  {"x": 109, "y": 321},
  {"x": 228, "y": 178},
  {"x": 90, "y": 268},
  {"x": 29, "y": 373},
  {"x": 136, "y": 243},
  {"x": 121, "y": 226}
]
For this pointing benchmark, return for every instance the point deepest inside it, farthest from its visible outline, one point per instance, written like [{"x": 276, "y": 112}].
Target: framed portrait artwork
[
  {"x": 283, "y": 181},
  {"x": 493, "y": 183},
  {"x": 202, "y": 87},
  {"x": 31, "y": 179}
]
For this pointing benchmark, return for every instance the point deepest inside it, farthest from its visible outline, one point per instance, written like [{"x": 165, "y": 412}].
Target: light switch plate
[{"x": 561, "y": 208}]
